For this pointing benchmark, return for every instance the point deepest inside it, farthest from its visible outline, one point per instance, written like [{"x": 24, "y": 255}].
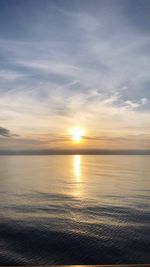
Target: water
[{"x": 74, "y": 210}]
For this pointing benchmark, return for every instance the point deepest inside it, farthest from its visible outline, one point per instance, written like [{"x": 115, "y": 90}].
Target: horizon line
[{"x": 75, "y": 152}]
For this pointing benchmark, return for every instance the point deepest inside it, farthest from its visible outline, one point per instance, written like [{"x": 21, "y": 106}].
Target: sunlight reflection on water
[
  {"x": 77, "y": 172},
  {"x": 61, "y": 209},
  {"x": 77, "y": 167}
]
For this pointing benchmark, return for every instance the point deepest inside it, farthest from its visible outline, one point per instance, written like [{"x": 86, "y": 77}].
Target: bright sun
[{"x": 77, "y": 133}]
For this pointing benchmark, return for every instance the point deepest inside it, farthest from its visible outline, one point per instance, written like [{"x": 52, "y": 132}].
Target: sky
[{"x": 66, "y": 64}]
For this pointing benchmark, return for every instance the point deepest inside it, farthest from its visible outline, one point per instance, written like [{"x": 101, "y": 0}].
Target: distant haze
[{"x": 75, "y": 152}]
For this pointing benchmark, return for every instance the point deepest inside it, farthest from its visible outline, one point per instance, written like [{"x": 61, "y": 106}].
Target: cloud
[
  {"x": 7, "y": 75},
  {"x": 6, "y": 133},
  {"x": 57, "y": 68}
]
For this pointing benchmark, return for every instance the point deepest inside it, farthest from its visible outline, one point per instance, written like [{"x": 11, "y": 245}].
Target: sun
[{"x": 77, "y": 134}]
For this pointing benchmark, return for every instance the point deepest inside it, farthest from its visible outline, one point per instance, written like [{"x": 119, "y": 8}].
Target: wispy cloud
[{"x": 10, "y": 75}]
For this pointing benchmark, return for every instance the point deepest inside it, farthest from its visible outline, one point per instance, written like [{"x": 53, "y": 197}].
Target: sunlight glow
[{"x": 77, "y": 133}]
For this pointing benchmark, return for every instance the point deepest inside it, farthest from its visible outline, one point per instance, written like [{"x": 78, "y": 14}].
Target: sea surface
[{"x": 74, "y": 209}]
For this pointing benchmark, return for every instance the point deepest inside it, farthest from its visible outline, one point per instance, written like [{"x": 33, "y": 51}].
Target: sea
[{"x": 74, "y": 209}]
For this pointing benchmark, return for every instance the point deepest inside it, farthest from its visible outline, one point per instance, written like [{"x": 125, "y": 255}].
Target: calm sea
[{"x": 74, "y": 209}]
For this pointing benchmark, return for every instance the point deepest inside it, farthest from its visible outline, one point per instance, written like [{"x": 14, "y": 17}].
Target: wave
[{"x": 66, "y": 231}]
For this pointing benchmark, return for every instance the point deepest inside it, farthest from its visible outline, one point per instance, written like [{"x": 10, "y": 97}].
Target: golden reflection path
[
  {"x": 77, "y": 167},
  {"x": 77, "y": 191}
]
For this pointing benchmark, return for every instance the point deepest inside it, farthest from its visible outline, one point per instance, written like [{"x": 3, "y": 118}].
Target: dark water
[{"x": 74, "y": 210}]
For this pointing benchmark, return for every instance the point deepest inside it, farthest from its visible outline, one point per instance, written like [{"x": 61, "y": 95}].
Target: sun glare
[{"x": 76, "y": 134}]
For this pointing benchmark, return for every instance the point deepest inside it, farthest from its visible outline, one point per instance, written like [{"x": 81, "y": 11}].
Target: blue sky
[{"x": 74, "y": 63}]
